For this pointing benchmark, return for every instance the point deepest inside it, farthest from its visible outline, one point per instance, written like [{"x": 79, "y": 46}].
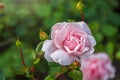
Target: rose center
[{"x": 73, "y": 42}]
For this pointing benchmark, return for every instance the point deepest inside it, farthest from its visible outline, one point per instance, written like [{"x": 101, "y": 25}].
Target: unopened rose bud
[
  {"x": 43, "y": 35},
  {"x": 18, "y": 43},
  {"x": 80, "y": 6},
  {"x": 2, "y": 5}
]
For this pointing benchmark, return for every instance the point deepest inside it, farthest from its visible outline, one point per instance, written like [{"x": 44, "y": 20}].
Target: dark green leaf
[
  {"x": 32, "y": 54},
  {"x": 75, "y": 75},
  {"x": 118, "y": 55},
  {"x": 2, "y": 76},
  {"x": 18, "y": 70},
  {"x": 54, "y": 68},
  {"x": 49, "y": 78},
  {"x": 110, "y": 49},
  {"x": 109, "y": 30}
]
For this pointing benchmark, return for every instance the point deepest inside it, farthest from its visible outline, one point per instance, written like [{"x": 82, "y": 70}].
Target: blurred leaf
[
  {"x": 28, "y": 75},
  {"x": 22, "y": 12},
  {"x": 42, "y": 10},
  {"x": 70, "y": 20},
  {"x": 2, "y": 76},
  {"x": 75, "y": 75},
  {"x": 49, "y": 78},
  {"x": 98, "y": 37},
  {"x": 36, "y": 61},
  {"x": 42, "y": 66},
  {"x": 52, "y": 64},
  {"x": 110, "y": 49},
  {"x": 54, "y": 68},
  {"x": 18, "y": 70},
  {"x": 94, "y": 26},
  {"x": 48, "y": 23},
  {"x": 109, "y": 30},
  {"x": 117, "y": 56},
  {"x": 32, "y": 54},
  {"x": 100, "y": 47},
  {"x": 1, "y": 26},
  {"x": 114, "y": 18}
]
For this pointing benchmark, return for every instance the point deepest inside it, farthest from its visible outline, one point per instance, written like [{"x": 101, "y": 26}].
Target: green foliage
[
  {"x": 2, "y": 76},
  {"x": 110, "y": 49},
  {"x": 109, "y": 30},
  {"x": 36, "y": 61},
  {"x": 49, "y": 78},
  {"x": 42, "y": 10},
  {"x": 54, "y": 69},
  {"x": 24, "y": 19},
  {"x": 118, "y": 55},
  {"x": 75, "y": 75},
  {"x": 32, "y": 54}
]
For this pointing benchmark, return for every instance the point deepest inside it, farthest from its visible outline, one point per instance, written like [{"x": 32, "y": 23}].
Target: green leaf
[
  {"x": 18, "y": 70},
  {"x": 2, "y": 76},
  {"x": 70, "y": 20},
  {"x": 1, "y": 26},
  {"x": 54, "y": 68},
  {"x": 32, "y": 54},
  {"x": 75, "y": 75},
  {"x": 109, "y": 30},
  {"x": 49, "y": 78},
  {"x": 94, "y": 26},
  {"x": 28, "y": 75},
  {"x": 36, "y": 61},
  {"x": 98, "y": 37},
  {"x": 110, "y": 49},
  {"x": 42, "y": 10},
  {"x": 38, "y": 48},
  {"x": 52, "y": 64},
  {"x": 117, "y": 56}
]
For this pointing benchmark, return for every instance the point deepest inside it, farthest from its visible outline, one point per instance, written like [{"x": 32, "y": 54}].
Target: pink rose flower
[
  {"x": 70, "y": 41},
  {"x": 97, "y": 67}
]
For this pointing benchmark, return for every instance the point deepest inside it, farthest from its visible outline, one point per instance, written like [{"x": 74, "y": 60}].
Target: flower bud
[
  {"x": 2, "y": 5},
  {"x": 18, "y": 43},
  {"x": 80, "y": 6},
  {"x": 43, "y": 35}
]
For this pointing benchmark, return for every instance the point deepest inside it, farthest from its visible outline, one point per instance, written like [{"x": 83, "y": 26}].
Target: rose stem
[
  {"x": 21, "y": 54},
  {"x": 82, "y": 16}
]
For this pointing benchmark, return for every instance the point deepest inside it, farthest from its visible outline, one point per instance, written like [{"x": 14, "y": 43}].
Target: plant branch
[
  {"x": 82, "y": 14},
  {"x": 22, "y": 58}
]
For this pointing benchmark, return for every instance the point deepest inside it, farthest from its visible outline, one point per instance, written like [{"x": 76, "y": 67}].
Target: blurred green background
[{"x": 23, "y": 19}]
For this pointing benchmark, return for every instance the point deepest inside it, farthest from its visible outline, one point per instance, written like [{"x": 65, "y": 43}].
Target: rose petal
[
  {"x": 64, "y": 31},
  {"x": 85, "y": 27},
  {"x": 87, "y": 53},
  {"x": 60, "y": 37},
  {"x": 48, "y": 48},
  {"x": 61, "y": 57},
  {"x": 111, "y": 70},
  {"x": 102, "y": 56},
  {"x": 92, "y": 40},
  {"x": 56, "y": 28}
]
